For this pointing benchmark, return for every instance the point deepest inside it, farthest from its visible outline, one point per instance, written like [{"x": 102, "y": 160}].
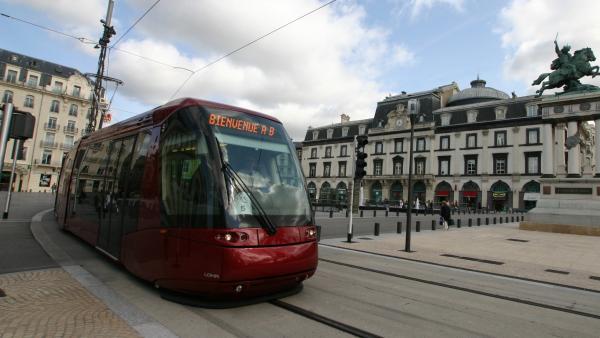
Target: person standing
[{"x": 445, "y": 214}]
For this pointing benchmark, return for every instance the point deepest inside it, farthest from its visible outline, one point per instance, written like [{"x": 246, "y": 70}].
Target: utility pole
[{"x": 109, "y": 31}]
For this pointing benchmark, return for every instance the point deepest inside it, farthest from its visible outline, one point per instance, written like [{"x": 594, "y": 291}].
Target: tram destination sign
[
  {"x": 241, "y": 125},
  {"x": 573, "y": 191}
]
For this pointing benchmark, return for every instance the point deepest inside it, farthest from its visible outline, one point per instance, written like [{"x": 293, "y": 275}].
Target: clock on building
[{"x": 399, "y": 122}]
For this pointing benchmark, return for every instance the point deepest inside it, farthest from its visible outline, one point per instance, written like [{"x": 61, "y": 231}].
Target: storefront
[
  {"x": 419, "y": 190},
  {"x": 341, "y": 193},
  {"x": 443, "y": 192},
  {"x": 396, "y": 192},
  {"x": 470, "y": 195},
  {"x": 376, "y": 193},
  {"x": 500, "y": 196},
  {"x": 530, "y": 195}
]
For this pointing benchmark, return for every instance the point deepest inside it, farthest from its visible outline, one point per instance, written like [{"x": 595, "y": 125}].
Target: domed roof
[{"x": 477, "y": 93}]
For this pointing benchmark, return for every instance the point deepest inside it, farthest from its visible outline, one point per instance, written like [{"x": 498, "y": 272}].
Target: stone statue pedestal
[{"x": 566, "y": 205}]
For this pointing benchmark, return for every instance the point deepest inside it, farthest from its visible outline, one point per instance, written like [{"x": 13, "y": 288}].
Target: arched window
[
  {"x": 396, "y": 192},
  {"x": 325, "y": 193},
  {"x": 376, "y": 192},
  {"x": 341, "y": 192}
]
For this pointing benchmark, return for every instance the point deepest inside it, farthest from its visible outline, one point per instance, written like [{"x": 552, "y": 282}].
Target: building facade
[
  {"x": 478, "y": 148},
  {"x": 60, "y": 99}
]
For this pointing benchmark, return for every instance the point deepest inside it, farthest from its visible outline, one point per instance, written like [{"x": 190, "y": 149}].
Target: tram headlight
[
  {"x": 232, "y": 237},
  {"x": 311, "y": 233}
]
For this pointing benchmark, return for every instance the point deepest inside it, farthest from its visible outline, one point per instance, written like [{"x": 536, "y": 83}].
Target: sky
[{"x": 341, "y": 59}]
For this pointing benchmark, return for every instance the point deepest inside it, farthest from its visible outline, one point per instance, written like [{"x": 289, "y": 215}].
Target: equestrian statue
[{"x": 567, "y": 69}]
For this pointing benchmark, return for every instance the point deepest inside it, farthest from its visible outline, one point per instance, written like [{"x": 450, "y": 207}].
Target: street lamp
[{"x": 413, "y": 113}]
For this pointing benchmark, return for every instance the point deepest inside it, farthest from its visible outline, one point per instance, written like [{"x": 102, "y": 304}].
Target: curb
[{"x": 145, "y": 325}]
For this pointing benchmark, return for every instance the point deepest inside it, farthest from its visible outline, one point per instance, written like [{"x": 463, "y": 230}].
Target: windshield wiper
[{"x": 261, "y": 215}]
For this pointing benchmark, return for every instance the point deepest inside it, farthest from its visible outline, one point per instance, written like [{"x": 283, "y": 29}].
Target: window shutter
[
  {"x": 2, "y": 69},
  {"x": 22, "y": 75}
]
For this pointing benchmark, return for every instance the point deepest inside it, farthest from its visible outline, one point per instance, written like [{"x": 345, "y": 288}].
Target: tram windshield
[{"x": 259, "y": 152}]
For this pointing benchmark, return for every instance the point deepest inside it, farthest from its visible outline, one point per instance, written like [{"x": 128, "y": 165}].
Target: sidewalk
[
  {"x": 45, "y": 294},
  {"x": 574, "y": 260}
]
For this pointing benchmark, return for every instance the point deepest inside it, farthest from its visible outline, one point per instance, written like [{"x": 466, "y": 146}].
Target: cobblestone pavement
[{"x": 50, "y": 303}]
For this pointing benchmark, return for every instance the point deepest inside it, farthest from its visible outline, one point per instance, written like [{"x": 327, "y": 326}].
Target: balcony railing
[
  {"x": 66, "y": 146},
  {"x": 58, "y": 91},
  {"x": 70, "y": 130},
  {"x": 51, "y": 126},
  {"x": 48, "y": 144},
  {"x": 46, "y": 163}
]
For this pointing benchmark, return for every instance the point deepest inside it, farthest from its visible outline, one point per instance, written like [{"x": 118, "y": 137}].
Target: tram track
[
  {"x": 324, "y": 320},
  {"x": 464, "y": 289}
]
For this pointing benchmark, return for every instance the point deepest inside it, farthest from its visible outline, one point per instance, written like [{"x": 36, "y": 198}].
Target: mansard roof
[
  {"x": 42, "y": 66},
  {"x": 353, "y": 128}
]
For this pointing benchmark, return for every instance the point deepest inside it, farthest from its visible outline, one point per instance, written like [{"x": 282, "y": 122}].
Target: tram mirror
[{"x": 22, "y": 125}]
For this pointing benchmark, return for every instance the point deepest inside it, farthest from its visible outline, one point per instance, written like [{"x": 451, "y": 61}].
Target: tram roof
[{"x": 160, "y": 113}]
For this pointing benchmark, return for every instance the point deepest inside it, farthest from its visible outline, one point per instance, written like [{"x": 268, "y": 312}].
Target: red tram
[{"x": 196, "y": 197}]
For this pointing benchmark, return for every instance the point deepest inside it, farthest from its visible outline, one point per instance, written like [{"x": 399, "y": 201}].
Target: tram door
[{"x": 115, "y": 189}]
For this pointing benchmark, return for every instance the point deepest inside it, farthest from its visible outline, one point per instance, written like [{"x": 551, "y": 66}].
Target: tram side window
[
  {"x": 188, "y": 189},
  {"x": 134, "y": 178},
  {"x": 90, "y": 182}
]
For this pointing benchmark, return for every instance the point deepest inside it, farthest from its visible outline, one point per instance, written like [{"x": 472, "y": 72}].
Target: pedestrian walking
[
  {"x": 445, "y": 214},
  {"x": 53, "y": 188}
]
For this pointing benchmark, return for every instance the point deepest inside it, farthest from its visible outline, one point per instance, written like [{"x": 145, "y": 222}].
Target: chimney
[{"x": 345, "y": 118}]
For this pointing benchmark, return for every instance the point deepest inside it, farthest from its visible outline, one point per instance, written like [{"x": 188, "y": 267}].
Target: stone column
[
  {"x": 597, "y": 148},
  {"x": 486, "y": 165},
  {"x": 574, "y": 165},
  {"x": 547, "y": 153},
  {"x": 559, "y": 154}
]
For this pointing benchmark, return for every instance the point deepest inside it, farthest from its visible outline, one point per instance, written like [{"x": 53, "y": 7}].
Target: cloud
[
  {"x": 416, "y": 7},
  {"x": 528, "y": 29},
  {"x": 307, "y": 73}
]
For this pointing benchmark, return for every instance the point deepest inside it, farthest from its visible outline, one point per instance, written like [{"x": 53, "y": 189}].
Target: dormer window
[
  {"x": 329, "y": 133},
  {"x": 361, "y": 130},
  {"x": 445, "y": 119},
  {"x": 345, "y": 131},
  {"x": 532, "y": 111},
  {"x": 472, "y": 116},
  {"x": 500, "y": 113},
  {"x": 315, "y": 134}
]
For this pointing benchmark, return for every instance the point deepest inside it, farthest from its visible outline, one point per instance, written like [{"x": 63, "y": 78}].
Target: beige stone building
[{"x": 60, "y": 99}]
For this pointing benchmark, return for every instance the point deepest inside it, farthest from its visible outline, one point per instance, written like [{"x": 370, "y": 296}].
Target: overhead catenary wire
[
  {"x": 81, "y": 39},
  {"x": 134, "y": 24},
  {"x": 88, "y": 41},
  {"x": 248, "y": 44}
]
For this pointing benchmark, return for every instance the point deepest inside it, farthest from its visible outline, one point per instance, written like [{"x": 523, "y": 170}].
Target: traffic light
[{"x": 360, "y": 171}]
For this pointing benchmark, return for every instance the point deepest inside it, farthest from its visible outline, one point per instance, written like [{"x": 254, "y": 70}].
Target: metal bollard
[
  {"x": 494, "y": 220},
  {"x": 347, "y": 212},
  {"x": 386, "y": 213},
  {"x": 418, "y": 226},
  {"x": 376, "y": 229},
  {"x": 374, "y": 213},
  {"x": 458, "y": 223},
  {"x": 478, "y": 221},
  {"x": 500, "y": 220},
  {"x": 361, "y": 213},
  {"x": 399, "y": 227},
  {"x": 522, "y": 218},
  {"x": 330, "y": 213},
  {"x": 487, "y": 221},
  {"x": 433, "y": 224},
  {"x": 470, "y": 222},
  {"x": 397, "y": 212},
  {"x": 512, "y": 218},
  {"x": 506, "y": 219}
]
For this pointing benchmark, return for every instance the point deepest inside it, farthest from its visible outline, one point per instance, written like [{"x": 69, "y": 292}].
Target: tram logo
[{"x": 211, "y": 275}]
